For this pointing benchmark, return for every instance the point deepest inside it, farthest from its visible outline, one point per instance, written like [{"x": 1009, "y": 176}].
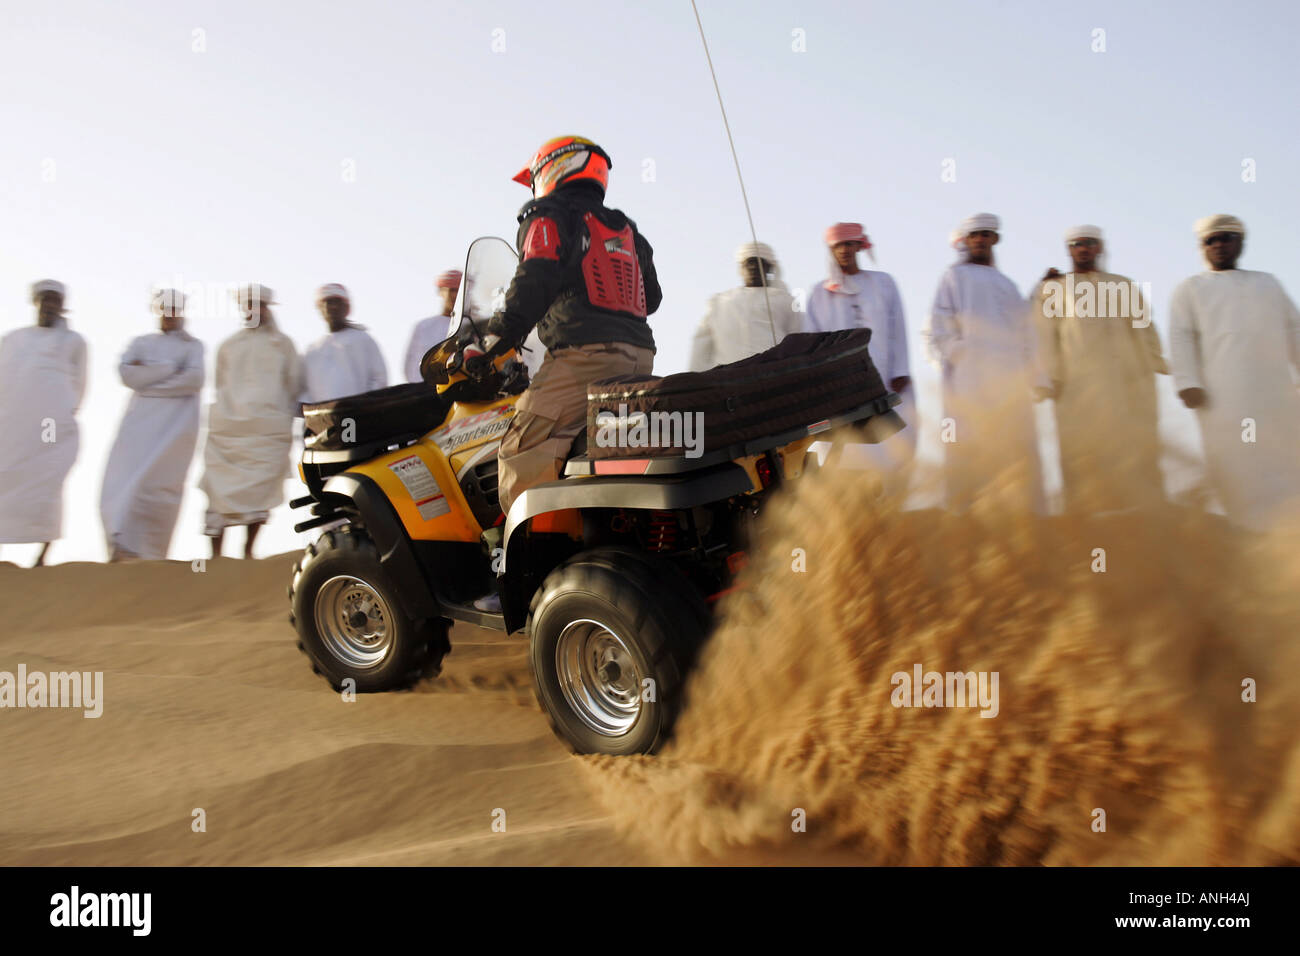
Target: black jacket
[{"x": 578, "y": 281}]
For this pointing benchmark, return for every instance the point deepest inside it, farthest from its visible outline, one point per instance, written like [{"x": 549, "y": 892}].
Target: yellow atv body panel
[{"x": 423, "y": 480}]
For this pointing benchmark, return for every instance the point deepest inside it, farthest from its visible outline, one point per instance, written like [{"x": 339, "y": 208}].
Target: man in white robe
[
  {"x": 347, "y": 360},
  {"x": 739, "y": 322},
  {"x": 856, "y": 298},
  {"x": 1101, "y": 354},
  {"x": 145, "y": 475},
  {"x": 1235, "y": 342},
  {"x": 982, "y": 338},
  {"x": 250, "y": 425},
  {"x": 42, "y": 383},
  {"x": 429, "y": 332}
]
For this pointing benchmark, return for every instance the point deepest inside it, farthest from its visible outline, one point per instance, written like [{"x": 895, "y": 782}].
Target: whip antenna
[{"x": 762, "y": 276}]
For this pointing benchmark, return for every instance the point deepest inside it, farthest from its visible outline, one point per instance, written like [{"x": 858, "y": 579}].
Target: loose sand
[{"x": 1119, "y": 691}]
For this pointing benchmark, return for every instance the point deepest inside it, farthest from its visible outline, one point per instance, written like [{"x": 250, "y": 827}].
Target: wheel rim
[
  {"x": 354, "y": 622},
  {"x": 598, "y": 677}
]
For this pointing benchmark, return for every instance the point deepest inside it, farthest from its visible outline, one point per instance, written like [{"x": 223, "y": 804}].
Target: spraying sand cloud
[{"x": 1122, "y": 644}]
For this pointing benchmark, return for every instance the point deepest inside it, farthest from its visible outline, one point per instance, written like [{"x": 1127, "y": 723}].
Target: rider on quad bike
[
  {"x": 612, "y": 558},
  {"x": 587, "y": 281}
]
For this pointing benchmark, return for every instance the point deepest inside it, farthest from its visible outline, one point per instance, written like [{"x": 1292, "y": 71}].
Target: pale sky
[{"x": 297, "y": 143}]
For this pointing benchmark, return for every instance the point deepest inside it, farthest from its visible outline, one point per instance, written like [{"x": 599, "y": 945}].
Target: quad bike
[{"x": 612, "y": 571}]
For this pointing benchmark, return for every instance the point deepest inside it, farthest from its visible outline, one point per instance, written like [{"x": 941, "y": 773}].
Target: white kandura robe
[
  {"x": 870, "y": 300},
  {"x": 1236, "y": 334},
  {"x": 426, "y": 334},
  {"x": 737, "y": 326},
  {"x": 1101, "y": 352},
  {"x": 982, "y": 338},
  {"x": 145, "y": 475},
  {"x": 250, "y": 426},
  {"x": 42, "y": 382},
  {"x": 342, "y": 363}
]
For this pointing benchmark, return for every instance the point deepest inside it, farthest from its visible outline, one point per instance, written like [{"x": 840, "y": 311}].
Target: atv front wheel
[
  {"x": 612, "y": 634},
  {"x": 350, "y": 620}
]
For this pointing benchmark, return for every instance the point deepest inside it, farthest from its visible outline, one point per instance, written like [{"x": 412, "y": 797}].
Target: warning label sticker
[
  {"x": 466, "y": 431},
  {"x": 420, "y": 484}
]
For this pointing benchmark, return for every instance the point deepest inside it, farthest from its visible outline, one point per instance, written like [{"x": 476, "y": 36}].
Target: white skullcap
[
  {"x": 1083, "y": 232},
  {"x": 1220, "y": 223},
  {"x": 254, "y": 293},
  {"x": 979, "y": 222},
  {"x": 332, "y": 290},
  {"x": 755, "y": 250},
  {"x": 47, "y": 285},
  {"x": 168, "y": 301}
]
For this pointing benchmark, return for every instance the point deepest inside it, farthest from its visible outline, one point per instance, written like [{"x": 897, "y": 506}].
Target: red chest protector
[{"x": 611, "y": 269}]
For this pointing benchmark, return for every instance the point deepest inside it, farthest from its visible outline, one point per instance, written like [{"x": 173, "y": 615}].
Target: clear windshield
[{"x": 489, "y": 267}]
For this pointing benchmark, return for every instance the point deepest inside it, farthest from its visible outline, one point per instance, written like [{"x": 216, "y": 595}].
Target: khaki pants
[{"x": 553, "y": 411}]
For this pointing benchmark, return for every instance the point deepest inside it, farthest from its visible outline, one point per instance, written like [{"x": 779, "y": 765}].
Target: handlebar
[{"x": 452, "y": 360}]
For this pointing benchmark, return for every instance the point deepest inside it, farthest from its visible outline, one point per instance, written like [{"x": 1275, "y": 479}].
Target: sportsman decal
[
  {"x": 542, "y": 240},
  {"x": 466, "y": 431}
]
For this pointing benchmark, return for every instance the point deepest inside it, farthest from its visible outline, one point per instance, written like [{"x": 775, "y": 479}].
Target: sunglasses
[
  {"x": 1224, "y": 237},
  {"x": 1081, "y": 243}
]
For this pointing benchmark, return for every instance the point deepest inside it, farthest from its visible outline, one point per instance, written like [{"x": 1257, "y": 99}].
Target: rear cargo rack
[{"x": 660, "y": 461}]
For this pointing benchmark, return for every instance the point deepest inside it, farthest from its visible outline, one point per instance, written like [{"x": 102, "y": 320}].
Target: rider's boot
[{"x": 491, "y": 602}]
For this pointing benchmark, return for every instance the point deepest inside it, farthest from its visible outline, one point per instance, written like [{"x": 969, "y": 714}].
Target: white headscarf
[
  {"x": 957, "y": 239},
  {"x": 1220, "y": 223},
  {"x": 980, "y": 222},
  {"x": 255, "y": 292},
  {"x": 332, "y": 290},
  {"x": 171, "y": 303},
  {"x": 52, "y": 285},
  {"x": 167, "y": 301},
  {"x": 976, "y": 223},
  {"x": 1089, "y": 232},
  {"x": 760, "y": 250},
  {"x": 48, "y": 285}
]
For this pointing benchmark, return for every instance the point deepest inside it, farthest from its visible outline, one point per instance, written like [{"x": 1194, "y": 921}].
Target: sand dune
[
  {"x": 1118, "y": 690},
  {"x": 208, "y": 704}
]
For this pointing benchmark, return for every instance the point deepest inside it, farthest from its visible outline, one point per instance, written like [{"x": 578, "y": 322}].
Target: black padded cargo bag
[
  {"x": 808, "y": 377},
  {"x": 395, "y": 413}
]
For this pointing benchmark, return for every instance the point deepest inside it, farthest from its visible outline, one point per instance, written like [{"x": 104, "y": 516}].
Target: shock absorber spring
[{"x": 663, "y": 531}]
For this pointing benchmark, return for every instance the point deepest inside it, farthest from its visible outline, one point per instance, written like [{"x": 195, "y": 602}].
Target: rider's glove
[
  {"x": 466, "y": 335},
  {"x": 478, "y": 356}
]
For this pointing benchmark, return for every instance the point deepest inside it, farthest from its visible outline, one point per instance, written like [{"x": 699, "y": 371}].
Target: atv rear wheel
[
  {"x": 350, "y": 620},
  {"x": 612, "y": 634}
]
